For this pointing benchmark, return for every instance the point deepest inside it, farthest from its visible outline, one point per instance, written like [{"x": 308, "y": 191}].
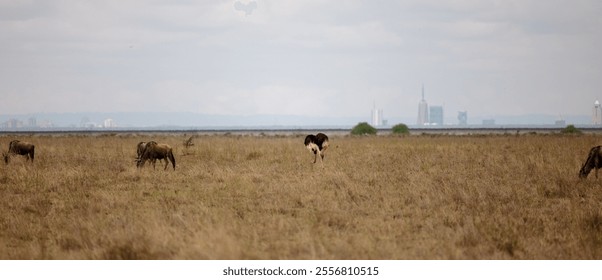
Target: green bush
[
  {"x": 571, "y": 129},
  {"x": 400, "y": 129},
  {"x": 363, "y": 128}
]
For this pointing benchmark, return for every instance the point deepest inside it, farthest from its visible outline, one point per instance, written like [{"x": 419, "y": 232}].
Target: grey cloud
[{"x": 248, "y": 8}]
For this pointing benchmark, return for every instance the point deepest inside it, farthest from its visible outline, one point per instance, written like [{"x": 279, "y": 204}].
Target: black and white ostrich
[{"x": 317, "y": 144}]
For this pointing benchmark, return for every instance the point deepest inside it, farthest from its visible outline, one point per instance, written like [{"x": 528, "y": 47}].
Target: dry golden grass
[{"x": 248, "y": 197}]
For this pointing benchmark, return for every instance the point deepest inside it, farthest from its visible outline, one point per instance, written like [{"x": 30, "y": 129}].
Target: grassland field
[{"x": 261, "y": 197}]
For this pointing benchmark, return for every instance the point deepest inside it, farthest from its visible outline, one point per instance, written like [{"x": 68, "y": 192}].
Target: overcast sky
[{"x": 316, "y": 57}]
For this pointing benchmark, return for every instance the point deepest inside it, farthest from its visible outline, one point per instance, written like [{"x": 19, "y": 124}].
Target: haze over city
[{"x": 303, "y": 59}]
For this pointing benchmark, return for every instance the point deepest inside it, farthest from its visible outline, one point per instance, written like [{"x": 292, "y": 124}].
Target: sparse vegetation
[
  {"x": 187, "y": 144},
  {"x": 363, "y": 128},
  {"x": 571, "y": 129},
  {"x": 400, "y": 129},
  {"x": 248, "y": 197}
]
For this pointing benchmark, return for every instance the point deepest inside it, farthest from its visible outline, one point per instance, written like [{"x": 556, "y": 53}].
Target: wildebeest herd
[
  {"x": 317, "y": 144},
  {"x": 152, "y": 151}
]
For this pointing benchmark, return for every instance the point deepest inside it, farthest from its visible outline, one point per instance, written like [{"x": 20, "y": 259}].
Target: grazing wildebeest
[
  {"x": 317, "y": 144},
  {"x": 140, "y": 150},
  {"x": 17, "y": 147},
  {"x": 594, "y": 160},
  {"x": 154, "y": 151}
]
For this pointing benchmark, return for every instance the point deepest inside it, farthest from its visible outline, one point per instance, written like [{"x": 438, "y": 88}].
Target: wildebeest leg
[
  {"x": 315, "y": 156},
  {"x": 597, "y": 165},
  {"x": 166, "y": 164}
]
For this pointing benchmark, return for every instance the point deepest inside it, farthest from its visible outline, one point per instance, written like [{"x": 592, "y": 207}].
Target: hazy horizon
[
  {"x": 310, "y": 58},
  {"x": 197, "y": 120}
]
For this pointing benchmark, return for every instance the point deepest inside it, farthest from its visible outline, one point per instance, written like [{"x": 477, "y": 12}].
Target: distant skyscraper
[
  {"x": 436, "y": 115},
  {"x": 597, "y": 113},
  {"x": 109, "y": 123},
  {"x": 377, "y": 116},
  {"x": 423, "y": 111},
  {"x": 32, "y": 122},
  {"x": 489, "y": 122},
  {"x": 462, "y": 118}
]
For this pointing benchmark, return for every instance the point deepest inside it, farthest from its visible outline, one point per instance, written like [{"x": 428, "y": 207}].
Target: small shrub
[
  {"x": 570, "y": 129},
  {"x": 363, "y": 128},
  {"x": 253, "y": 155},
  {"x": 400, "y": 129}
]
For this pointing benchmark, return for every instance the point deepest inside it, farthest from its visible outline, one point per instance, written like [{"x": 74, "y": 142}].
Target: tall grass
[{"x": 249, "y": 197}]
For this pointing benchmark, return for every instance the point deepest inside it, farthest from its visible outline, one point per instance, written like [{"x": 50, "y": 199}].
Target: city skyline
[
  {"x": 428, "y": 115},
  {"x": 96, "y": 120}
]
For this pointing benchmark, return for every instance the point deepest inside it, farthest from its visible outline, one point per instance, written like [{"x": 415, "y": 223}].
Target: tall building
[
  {"x": 32, "y": 122},
  {"x": 377, "y": 117},
  {"x": 597, "y": 113},
  {"x": 14, "y": 123},
  {"x": 109, "y": 123},
  {"x": 436, "y": 115},
  {"x": 462, "y": 118},
  {"x": 489, "y": 122},
  {"x": 423, "y": 111}
]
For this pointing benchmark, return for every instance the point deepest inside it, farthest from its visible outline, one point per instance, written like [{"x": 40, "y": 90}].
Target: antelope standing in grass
[
  {"x": 317, "y": 144},
  {"x": 593, "y": 161}
]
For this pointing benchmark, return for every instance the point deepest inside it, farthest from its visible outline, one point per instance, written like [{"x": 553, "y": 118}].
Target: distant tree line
[{"x": 364, "y": 128}]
